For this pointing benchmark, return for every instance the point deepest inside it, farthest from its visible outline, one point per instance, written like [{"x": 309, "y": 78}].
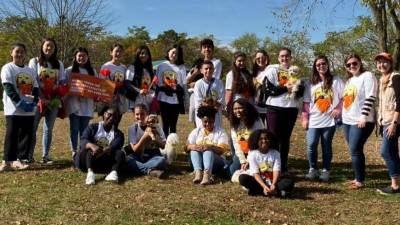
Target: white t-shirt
[
  {"x": 135, "y": 132},
  {"x": 103, "y": 139},
  {"x": 168, "y": 73},
  {"x": 48, "y": 75},
  {"x": 145, "y": 84},
  {"x": 323, "y": 102},
  {"x": 217, "y": 68},
  {"x": 217, "y": 93},
  {"x": 264, "y": 163},
  {"x": 278, "y": 77},
  {"x": 258, "y": 82},
  {"x": 229, "y": 85},
  {"x": 24, "y": 79},
  {"x": 357, "y": 90},
  {"x": 217, "y": 137},
  {"x": 80, "y": 106},
  {"x": 240, "y": 139}
]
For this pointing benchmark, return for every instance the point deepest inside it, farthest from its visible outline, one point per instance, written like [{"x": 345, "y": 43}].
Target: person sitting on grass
[
  {"x": 262, "y": 178},
  {"x": 206, "y": 145},
  {"x": 145, "y": 140},
  {"x": 101, "y": 145}
]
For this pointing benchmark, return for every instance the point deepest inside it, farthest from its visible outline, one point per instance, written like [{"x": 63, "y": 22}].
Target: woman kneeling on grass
[
  {"x": 101, "y": 145},
  {"x": 206, "y": 145},
  {"x": 262, "y": 178}
]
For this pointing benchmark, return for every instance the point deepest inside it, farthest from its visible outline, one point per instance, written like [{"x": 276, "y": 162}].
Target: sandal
[{"x": 356, "y": 185}]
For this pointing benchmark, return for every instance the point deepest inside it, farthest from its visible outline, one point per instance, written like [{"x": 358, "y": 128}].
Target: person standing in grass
[
  {"x": 244, "y": 119},
  {"x": 138, "y": 79},
  {"x": 322, "y": 105},
  {"x": 263, "y": 175},
  {"x": 79, "y": 109},
  {"x": 145, "y": 140},
  {"x": 207, "y": 50},
  {"x": 170, "y": 88},
  {"x": 51, "y": 77},
  {"x": 20, "y": 96},
  {"x": 100, "y": 150},
  {"x": 209, "y": 91},
  {"x": 206, "y": 144},
  {"x": 358, "y": 114},
  {"x": 388, "y": 119},
  {"x": 115, "y": 71},
  {"x": 261, "y": 61}
]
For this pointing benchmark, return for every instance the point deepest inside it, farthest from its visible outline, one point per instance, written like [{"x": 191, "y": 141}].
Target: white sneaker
[
  {"x": 90, "y": 178},
  {"x": 324, "y": 175},
  {"x": 312, "y": 174},
  {"x": 113, "y": 176},
  {"x": 5, "y": 166}
]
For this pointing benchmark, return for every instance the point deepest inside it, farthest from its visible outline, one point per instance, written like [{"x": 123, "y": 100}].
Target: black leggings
[
  {"x": 169, "y": 116},
  {"x": 18, "y": 138},
  {"x": 280, "y": 121},
  {"x": 103, "y": 164},
  {"x": 255, "y": 188}
]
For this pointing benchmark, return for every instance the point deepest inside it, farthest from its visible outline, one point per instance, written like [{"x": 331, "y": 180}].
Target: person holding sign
[
  {"x": 115, "y": 71},
  {"x": 79, "y": 109},
  {"x": 170, "y": 93},
  {"x": 20, "y": 96},
  {"x": 52, "y": 80}
]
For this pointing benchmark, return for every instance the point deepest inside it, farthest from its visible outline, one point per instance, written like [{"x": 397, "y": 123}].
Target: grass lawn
[{"x": 56, "y": 194}]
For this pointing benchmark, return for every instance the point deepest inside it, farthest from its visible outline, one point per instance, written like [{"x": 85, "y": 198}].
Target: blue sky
[{"x": 228, "y": 19}]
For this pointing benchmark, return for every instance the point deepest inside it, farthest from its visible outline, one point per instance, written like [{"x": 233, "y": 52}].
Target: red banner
[{"x": 91, "y": 87}]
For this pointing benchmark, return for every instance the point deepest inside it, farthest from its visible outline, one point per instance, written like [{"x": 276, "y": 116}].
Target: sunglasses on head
[{"x": 351, "y": 64}]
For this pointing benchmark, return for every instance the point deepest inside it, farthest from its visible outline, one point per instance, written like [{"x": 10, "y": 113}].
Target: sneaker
[
  {"x": 90, "y": 178},
  {"x": 197, "y": 176},
  {"x": 312, "y": 174},
  {"x": 113, "y": 176},
  {"x": 388, "y": 190},
  {"x": 160, "y": 174},
  {"x": 19, "y": 165},
  {"x": 324, "y": 176},
  {"x": 30, "y": 160},
  {"x": 5, "y": 166},
  {"x": 207, "y": 179},
  {"x": 46, "y": 160}
]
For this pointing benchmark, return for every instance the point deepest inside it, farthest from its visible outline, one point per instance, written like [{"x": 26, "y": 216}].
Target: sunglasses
[
  {"x": 351, "y": 64},
  {"x": 320, "y": 64}
]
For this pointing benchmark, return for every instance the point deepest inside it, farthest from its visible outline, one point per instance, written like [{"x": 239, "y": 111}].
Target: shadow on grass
[
  {"x": 303, "y": 193},
  {"x": 56, "y": 165}
]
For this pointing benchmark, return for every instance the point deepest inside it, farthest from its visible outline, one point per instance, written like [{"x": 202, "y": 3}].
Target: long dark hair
[
  {"x": 255, "y": 137},
  {"x": 179, "y": 54},
  {"x": 315, "y": 78},
  {"x": 240, "y": 84},
  {"x": 52, "y": 59},
  {"x": 87, "y": 66},
  {"x": 139, "y": 66},
  {"x": 249, "y": 110},
  {"x": 353, "y": 55},
  {"x": 256, "y": 68}
]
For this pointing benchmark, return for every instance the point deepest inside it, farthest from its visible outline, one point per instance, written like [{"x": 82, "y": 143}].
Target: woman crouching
[{"x": 262, "y": 177}]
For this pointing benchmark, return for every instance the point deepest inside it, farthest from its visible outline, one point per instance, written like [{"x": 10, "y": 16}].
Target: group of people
[{"x": 261, "y": 105}]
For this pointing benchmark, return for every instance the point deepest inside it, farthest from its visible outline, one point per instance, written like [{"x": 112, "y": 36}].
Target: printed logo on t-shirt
[
  {"x": 349, "y": 94},
  {"x": 211, "y": 97},
  {"x": 48, "y": 78},
  {"x": 169, "y": 78},
  {"x": 118, "y": 78},
  {"x": 24, "y": 83},
  {"x": 102, "y": 142},
  {"x": 265, "y": 169},
  {"x": 146, "y": 80},
  {"x": 283, "y": 77},
  {"x": 242, "y": 136},
  {"x": 323, "y": 99}
]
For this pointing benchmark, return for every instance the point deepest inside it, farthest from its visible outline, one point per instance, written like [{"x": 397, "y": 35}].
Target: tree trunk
[
  {"x": 396, "y": 22},
  {"x": 378, "y": 8}
]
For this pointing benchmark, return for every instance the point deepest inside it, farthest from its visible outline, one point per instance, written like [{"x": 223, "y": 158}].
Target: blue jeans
[
  {"x": 77, "y": 124},
  {"x": 137, "y": 166},
  {"x": 313, "y": 137},
  {"x": 356, "y": 138},
  {"x": 207, "y": 160},
  {"x": 49, "y": 120},
  {"x": 235, "y": 165},
  {"x": 390, "y": 152}
]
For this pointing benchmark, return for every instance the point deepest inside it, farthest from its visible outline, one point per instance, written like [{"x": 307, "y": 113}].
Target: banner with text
[{"x": 91, "y": 87}]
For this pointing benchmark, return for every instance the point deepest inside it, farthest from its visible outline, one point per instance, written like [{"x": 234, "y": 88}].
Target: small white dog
[
  {"x": 294, "y": 81},
  {"x": 169, "y": 150}
]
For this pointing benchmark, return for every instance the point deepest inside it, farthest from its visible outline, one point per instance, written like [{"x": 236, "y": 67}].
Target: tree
[
  {"x": 247, "y": 43},
  {"x": 70, "y": 22}
]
